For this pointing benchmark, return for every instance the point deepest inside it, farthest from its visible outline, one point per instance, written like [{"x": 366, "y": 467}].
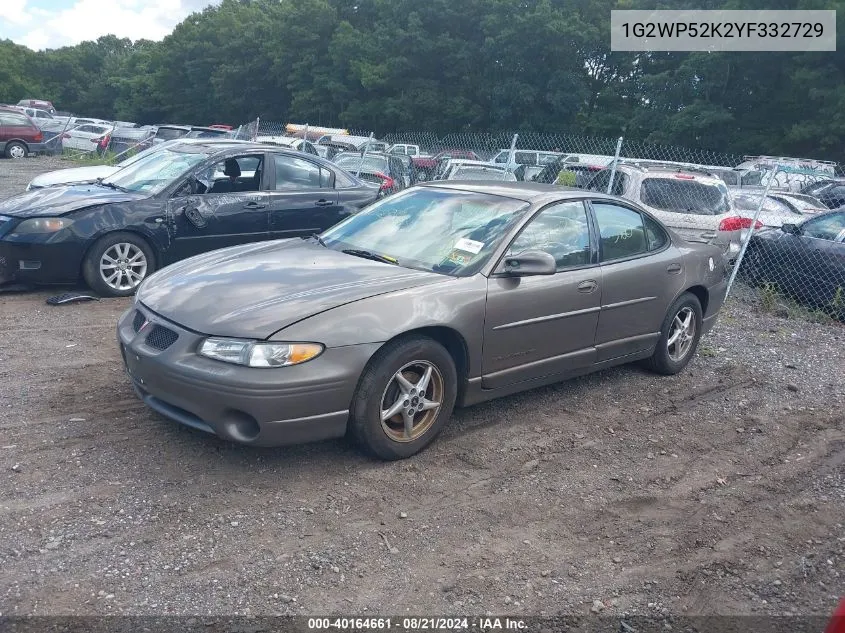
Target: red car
[
  {"x": 19, "y": 136},
  {"x": 837, "y": 622}
]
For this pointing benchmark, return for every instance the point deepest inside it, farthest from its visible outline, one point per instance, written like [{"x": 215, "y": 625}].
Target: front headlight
[
  {"x": 259, "y": 353},
  {"x": 42, "y": 225}
]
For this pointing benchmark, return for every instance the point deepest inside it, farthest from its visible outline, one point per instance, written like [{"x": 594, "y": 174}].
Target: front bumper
[
  {"x": 255, "y": 406},
  {"x": 39, "y": 262}
]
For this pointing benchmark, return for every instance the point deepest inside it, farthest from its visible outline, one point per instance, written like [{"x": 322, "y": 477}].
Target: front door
[
  {"x": 641, "y": 273},
  {"x": 232, "y": 211},
  {"x": 544, "y": 325},
  {"x": 302, "y": 199}
]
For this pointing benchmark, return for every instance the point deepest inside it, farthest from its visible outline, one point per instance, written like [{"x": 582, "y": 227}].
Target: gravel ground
[
  {"x": 16, "y": 174},
  {"x": 718, "y": 491}
]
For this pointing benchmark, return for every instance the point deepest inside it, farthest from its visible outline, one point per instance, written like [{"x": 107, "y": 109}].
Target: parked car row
[
  {"x": 386, "y": 256},
  {"x": 172, "y": 201}
]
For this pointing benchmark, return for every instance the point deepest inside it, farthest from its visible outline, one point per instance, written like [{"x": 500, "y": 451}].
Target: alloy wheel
[
  {"x": 123, "y": 266},
  {"x": 681, "y": 334},
  {"x": 16, "y": 151},
  {"x": 411, "y": 401}
]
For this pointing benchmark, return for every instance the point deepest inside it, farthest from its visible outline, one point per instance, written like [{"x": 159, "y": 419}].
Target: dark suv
[{"x": 19, "y": 136}]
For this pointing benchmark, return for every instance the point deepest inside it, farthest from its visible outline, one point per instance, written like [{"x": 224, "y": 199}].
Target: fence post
[
  {"x": 363, "y": 154},
  {"x": 257, "y": 125},
  {"x": 747, "y": 239},
  {"x": 615, "y": 162},
  {"x": 511, "y": 155}
]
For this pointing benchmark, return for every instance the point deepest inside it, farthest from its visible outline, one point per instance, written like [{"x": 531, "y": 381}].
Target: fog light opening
[{"x": 241, "y": 426}]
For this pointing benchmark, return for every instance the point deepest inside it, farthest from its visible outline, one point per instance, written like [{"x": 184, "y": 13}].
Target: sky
[{"x": 41, "y": 24}]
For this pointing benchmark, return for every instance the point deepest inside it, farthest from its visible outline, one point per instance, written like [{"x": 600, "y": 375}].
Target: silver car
[
  {"x": 695, "y": 203},
  {"x": 446, "y": 294}
]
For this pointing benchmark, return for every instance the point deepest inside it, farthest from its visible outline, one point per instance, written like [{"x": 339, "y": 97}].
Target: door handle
[
  {"x": 254, "y": 205},
  {"x": 324, "y": 203},
  {"x": 587, "y": 286},
  {"x": 673, "y": 268}
]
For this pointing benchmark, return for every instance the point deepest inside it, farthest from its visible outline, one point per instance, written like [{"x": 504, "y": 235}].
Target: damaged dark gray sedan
[{"x": 444, "y": 295}]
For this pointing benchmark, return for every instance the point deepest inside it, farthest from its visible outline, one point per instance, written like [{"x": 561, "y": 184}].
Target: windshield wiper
[
  {"x": 111, "y": 185},
  {"x": 315, "y": 236},
  {"x": 368, "y": 255}
]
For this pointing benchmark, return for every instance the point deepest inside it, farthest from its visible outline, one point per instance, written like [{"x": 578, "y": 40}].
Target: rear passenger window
[
  {"x": 295, "y": 173},
  {"x": 657, "y": 237},
  {"x": 621, "y": 230}
]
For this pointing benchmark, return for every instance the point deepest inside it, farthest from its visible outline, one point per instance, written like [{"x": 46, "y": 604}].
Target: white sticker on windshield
[{"x": 470, "y": 246}]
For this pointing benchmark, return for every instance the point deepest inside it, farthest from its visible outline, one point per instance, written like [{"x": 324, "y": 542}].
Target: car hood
[
  {"x": 255, "y": 290},
  {"x": 56, "y": 201},
  {"x": 73, "y": 175}
]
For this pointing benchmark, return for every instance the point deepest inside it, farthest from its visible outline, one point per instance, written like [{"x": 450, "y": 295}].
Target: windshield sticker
[
  {"x": 456, "y": 257},
  {"x": 470, "y": 246}
]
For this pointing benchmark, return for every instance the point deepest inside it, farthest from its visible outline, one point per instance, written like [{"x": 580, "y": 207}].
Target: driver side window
[
  {"x": 562, "y": 230},
  {"x": 235, "y": 174}
]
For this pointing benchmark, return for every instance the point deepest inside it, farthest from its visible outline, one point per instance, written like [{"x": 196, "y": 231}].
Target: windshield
[
  {"x": 455, "y": 232},
  {"x": 685, "y": 196},
  {"x": 350, "y": 162},
  {"x": 156, "y": 171},
  {"x": 745, "y": 202},
  {"x": 143, "y": 154}
]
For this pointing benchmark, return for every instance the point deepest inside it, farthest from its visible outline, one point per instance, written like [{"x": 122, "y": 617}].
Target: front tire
[
  {"x": 404, "y": 398},
  {"x": 16, "y": 150},
  {"x": 117, "y": 263},
  {"x": 679, "y": 336}
]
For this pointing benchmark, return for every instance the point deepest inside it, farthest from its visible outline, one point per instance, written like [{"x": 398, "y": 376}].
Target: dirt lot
[{"x": 721, "y": 490}]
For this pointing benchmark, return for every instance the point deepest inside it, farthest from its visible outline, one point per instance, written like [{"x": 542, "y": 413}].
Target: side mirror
[
  {"x": 791, "y": 229},
  {"x": 527, "y": 264}
]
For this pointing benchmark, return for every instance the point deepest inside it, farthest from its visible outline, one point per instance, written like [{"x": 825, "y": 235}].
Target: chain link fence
[{"x": 771, "y": 215}]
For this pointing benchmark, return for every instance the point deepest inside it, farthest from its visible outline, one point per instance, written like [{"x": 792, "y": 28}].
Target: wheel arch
[
  {"x": 133, "y": 232},
  {"x": 454, "y": 343},
  {"x": 19, "y": 141},
  {"x": 702, "y": 294}
]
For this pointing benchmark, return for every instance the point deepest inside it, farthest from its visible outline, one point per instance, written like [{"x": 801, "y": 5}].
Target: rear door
[
  {"x": 302, "y": 197},
  {"x": 203, "y": 222},
  {"x": 641, "y": 272}
]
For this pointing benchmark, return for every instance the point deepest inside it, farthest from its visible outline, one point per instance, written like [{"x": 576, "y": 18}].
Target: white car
[
  {"x": 81, "y": 175},
  {"x": 85, "y": 137},
  {"x": 453, "y": 164},
  {"x": 778, "y": 209},
  {"x": 287, "y": 141},
  {"x": 404, "y": 149}
]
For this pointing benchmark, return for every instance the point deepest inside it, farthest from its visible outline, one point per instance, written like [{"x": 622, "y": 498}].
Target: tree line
[{"x": 449, "y": 66}]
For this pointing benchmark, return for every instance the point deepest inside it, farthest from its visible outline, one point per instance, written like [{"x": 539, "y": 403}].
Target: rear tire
[
  {"x": 16, "y": 150},
  {"x": 679, "y": 336},
  {"x": 395, "y": 380},
  {"x": 117, "y": 263}
]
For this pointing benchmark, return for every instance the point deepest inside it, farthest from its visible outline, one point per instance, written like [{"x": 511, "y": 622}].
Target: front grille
[
  {"x": 161, "y": 337},
  {"x": 138, "y": 321}
]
